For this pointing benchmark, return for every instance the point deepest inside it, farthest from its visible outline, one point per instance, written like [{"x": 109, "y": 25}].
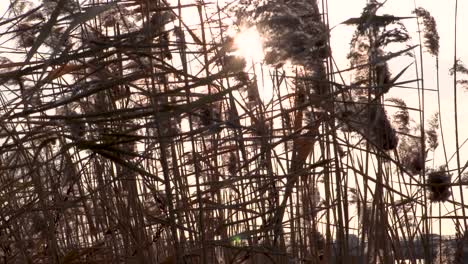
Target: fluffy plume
[
  {"x": 431, "y": 36},
  {"x": 292, "y": 30},
  {"x": 364, "y": 53},
  {"x": 388, "y": 139},
  {"x": 412, "y": 156},
  {"x": 382, "y": 132},
  {"x": 459, "y": 67},
  {"x": 410, "y": 152},
  {"x": 432, "y": 136},
  {"x": 401, "y": 117},
  {"x": 359, "y": 117},
  {"x": 438, "y": 184}
]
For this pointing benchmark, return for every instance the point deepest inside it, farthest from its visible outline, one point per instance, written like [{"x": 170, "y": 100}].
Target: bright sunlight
[{"x": 249, "y": 44}]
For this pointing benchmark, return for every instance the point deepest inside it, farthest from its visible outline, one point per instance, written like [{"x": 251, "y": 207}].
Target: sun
[{"x": 248, "y": 44}]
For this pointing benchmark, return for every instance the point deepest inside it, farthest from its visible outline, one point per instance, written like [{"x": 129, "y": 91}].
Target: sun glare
[{"x": 249, "y": 44}]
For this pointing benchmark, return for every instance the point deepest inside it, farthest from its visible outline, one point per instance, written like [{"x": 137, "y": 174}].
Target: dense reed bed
[{"x": 139, "y": 132}]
